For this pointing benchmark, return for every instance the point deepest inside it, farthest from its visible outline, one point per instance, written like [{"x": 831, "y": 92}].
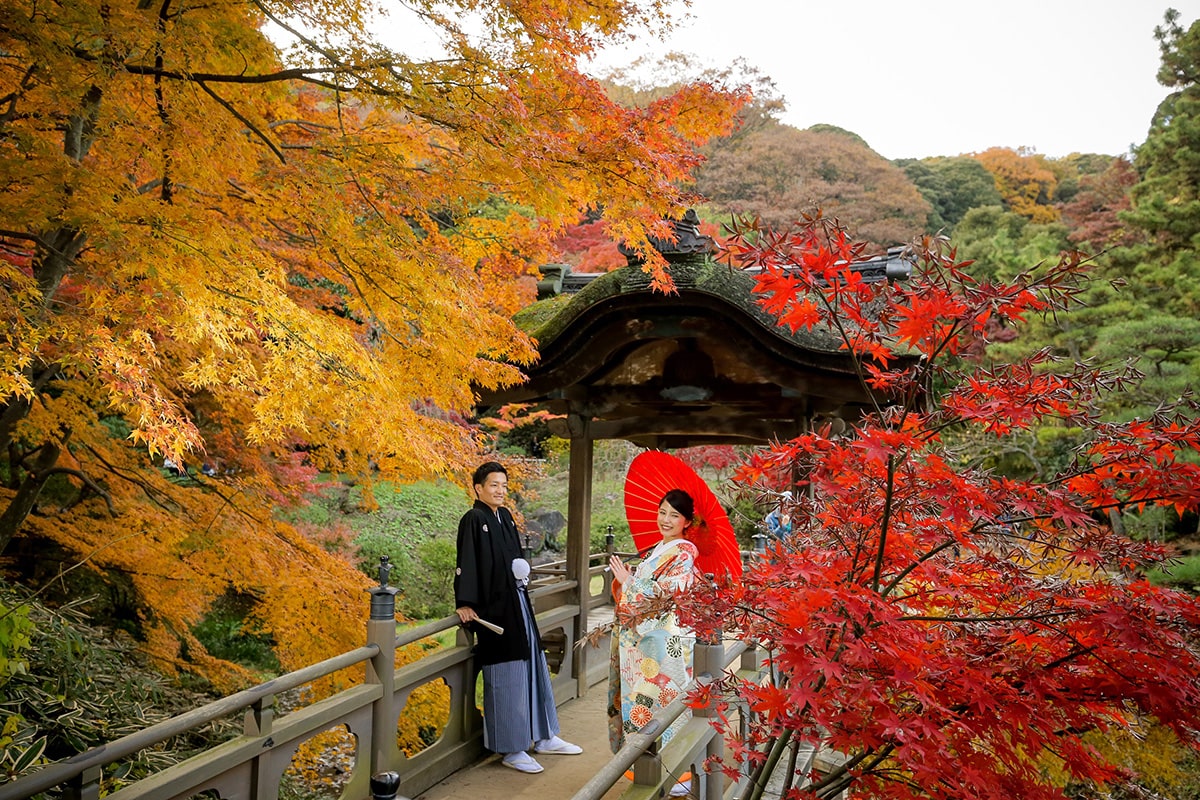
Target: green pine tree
[{"x": 1151, "y": 320}]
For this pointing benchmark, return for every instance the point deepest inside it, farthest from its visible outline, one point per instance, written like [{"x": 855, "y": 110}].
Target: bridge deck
[{"x": 583, "y": 722}]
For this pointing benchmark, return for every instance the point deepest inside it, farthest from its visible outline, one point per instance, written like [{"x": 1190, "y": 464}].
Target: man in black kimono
[{"x": 489, "y": 583}]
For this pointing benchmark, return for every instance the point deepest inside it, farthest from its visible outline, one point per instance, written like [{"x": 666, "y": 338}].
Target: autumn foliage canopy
[
  {"x": 938, "y": 629},
  {"x": 267, "y": 257}
]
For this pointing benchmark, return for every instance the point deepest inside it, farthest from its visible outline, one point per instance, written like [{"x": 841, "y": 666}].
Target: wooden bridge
[
  {"x": 705, "y": 365},
  {"x": 250, "y": 766}
]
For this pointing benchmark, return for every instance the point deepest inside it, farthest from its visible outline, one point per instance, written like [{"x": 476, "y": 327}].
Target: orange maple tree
[
  {"x": 936, "y": 629},
  {"x": 1025, "y": 181},
  {"x": 255, "y": 262}
]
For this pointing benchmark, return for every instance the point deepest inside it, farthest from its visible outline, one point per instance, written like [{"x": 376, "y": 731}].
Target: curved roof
[{"x": 702, "y": 366}]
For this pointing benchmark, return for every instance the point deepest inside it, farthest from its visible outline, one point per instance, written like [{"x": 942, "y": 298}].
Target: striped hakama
[{"x": 518, "y": 702}]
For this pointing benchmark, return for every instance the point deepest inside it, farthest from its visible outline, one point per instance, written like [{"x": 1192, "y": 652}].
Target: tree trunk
[
  {"x": 14, "y": 516},
  {"x": 16, "y": 408},
  {"x": 1117, "y": 521},
  {"x": 55, "y": 256},
  {"x": 13, "y": 412}
]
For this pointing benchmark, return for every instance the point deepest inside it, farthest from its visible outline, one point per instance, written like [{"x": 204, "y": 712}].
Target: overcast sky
[{"x": 919, "y": 78}]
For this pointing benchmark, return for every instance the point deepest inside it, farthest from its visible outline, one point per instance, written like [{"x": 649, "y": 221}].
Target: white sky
[{"x": 919, "y": 78}]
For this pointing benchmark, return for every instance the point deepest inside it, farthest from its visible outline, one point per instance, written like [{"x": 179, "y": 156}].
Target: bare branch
[
  {"x": 302, "y": 123},
  {"x": 29, "y": 237},
  {"x": 973, "y": 620},
  {"x": 12, "y": 97},
  {"x": 150, "y": 491},
  {"x": 242, "y": 118},
  {"x": 91, "y": 484}
]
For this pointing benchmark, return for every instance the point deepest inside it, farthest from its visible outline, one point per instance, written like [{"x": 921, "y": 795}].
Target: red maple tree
[
  {"x": 719, "y": 459},
  {"x": 587, "y": 247},
  {"x": 936, "y": 629}
]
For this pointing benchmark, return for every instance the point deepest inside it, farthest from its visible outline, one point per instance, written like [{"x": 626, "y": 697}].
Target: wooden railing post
[
  {"x": 258, "y": 722},
  {"x": 381, "y": 669},
  {"x": 648, "y": 769},
  {"x": 84, "y": 786},
  {"x": 709, "y": 658},
  {"x": 610, "y": 549},
  {"x": 259, "y": 717},
  {"x": 751, "y": 662}
]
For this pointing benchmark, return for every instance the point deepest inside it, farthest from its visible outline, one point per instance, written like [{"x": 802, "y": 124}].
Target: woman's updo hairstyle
[{"x": 682, "y": 502}]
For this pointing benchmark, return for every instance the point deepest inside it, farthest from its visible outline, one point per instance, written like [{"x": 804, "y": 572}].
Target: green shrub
[
  {"x": 415, "y": 526},
  {"x": 318, "y": 513},
  {"x": 601, "y": 520},
  {"x": 413, "y": 511},
  {"x": 82, "y": 687},
  {"x": 746, "y": 516},
  {"x": 225, "y": 633},
  {"x": 1182, "y": 574},
  {"x": 375, "y": 544},
  {"x": 426, "y": 587},
  {"x": 15, "y": 631},
  {"x": 1150, "y": 524}
]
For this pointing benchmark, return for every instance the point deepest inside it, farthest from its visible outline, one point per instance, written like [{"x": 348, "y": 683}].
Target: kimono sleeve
[
  {"x": 467, "y": 590},
  {"x": 676, "y": 572}
]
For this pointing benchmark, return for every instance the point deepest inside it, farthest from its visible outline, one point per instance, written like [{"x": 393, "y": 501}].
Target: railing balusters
[
  {"x": 84, "y": 786},
  {"x": 259, "y": 716},
  {"x": 254, "y": 756}
]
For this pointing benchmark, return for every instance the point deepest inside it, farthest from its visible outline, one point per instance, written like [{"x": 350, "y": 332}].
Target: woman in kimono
[{"x": 651, "y": 659}]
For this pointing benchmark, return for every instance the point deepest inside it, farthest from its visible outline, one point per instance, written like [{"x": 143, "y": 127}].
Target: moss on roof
[
  {"x": 546, "y": 319},
  {"x": 532, "y": 318}
]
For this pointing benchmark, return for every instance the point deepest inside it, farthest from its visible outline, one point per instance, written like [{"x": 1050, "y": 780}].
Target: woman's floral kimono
[{"x": 652, "y": 662}]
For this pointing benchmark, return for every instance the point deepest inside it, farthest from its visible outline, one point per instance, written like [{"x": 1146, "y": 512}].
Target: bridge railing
[
  {"x": 251, "y": 765},
  {"x": 656, "y": 769}
]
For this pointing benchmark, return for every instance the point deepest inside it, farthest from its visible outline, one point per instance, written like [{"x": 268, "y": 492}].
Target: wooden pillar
[
  {"x": 709, "y": 658},
  {"x": 579, "y": 528}
]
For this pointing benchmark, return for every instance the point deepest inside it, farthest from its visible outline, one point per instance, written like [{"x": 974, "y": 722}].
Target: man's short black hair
[{"x": 485, "y": 469}]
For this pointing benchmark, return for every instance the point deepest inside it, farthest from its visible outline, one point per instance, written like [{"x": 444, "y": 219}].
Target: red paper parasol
[{"x": 654, "y": 473}]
